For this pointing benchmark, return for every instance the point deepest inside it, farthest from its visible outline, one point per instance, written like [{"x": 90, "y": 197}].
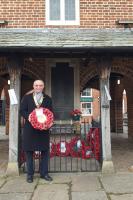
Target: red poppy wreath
[{"x": 41, "y": 118}]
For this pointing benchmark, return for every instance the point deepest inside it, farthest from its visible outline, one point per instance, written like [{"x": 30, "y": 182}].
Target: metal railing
[{"x": 74, "y": 147}]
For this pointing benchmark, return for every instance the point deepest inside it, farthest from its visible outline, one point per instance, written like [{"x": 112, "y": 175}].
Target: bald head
[{"x": 38, "y": 86}]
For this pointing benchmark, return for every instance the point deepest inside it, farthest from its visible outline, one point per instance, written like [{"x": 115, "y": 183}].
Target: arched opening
[
  {"x": 4, "y": 115},
  {"x": 4, "y": 137},
  {"x": 120, "y": 115},
  {"x": 120, "y": 133},
  {"x": 2, "y": 107}
]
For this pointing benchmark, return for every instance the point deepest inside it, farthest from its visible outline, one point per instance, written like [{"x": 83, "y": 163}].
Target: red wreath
[
  {"x": 52, "y": 149},
  {"x": 45, "y": 125},
  {"x": 87, "y": 152},
  {"x": 63, "y": 149},
  {"x": 93, "y": 139},
  {"x": 76, "y": 146}
]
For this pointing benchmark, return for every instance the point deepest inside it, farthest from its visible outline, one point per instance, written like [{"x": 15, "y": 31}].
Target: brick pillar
[
  {"x": 130, "y": 111},
  {"x": 118, "y": 108},
  {"x": 112, "y": 106}
]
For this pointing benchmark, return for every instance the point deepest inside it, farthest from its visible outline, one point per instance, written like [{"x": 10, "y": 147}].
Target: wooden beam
[
  {"x": 14, "y": 68},
  {"x": 104, "y": 72}
]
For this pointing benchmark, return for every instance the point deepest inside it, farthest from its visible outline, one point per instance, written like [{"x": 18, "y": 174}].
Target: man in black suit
[{"x": 35, "y": 139}]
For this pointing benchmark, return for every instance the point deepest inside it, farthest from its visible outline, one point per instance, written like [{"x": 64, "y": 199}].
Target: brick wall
[
  {"x": 95, "y": 107},
  {"x": 96, "y": 104},
  {"x": 104, "y": 13},
  {"x": 93, "y": 13},
  {"x": 23, "y": 13}
]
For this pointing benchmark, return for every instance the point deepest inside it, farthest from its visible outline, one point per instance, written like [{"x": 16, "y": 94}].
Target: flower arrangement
[{"x": 76, "y": 113}]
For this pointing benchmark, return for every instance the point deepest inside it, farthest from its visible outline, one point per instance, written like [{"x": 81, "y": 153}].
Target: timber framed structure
[{"x": 96, "y": 56}]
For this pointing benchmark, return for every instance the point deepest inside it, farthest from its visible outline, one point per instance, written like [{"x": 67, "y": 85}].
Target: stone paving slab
[
  {"x": 58, "y": 179},
  {"x": 15, "y": 196},
  {"x": 18, "y": 184},
  {"x": 2, "y": 181},
  {"x": 65, "y": 187},
  {"x": 122, "y": 197},
  {"x": 118, "y": 184},
  {"x": 85, "y": 183},
  {"x": 94, "y": 195},
  {"x": 51, "y": 192}
]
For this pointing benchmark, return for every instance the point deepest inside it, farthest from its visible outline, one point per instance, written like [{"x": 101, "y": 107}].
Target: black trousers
[{"x": 43, "y": 165}]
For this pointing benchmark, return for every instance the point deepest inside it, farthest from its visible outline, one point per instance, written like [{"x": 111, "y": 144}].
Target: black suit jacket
[{"x": 33, "y": 139}]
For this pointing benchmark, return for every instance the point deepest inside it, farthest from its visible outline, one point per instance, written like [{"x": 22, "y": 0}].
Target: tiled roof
[{"x": 65, "y": 38}]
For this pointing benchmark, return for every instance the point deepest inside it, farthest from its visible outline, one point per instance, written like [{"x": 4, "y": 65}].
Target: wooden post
[
  {"x": 104, "y": 69},
  {"x": 14, "y": 67}
]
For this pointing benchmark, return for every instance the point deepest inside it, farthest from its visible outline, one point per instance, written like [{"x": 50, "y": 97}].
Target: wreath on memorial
[
  {"x": 43, "y": 121},
  {"x": 93, "y": 139},
  {"x": 63, "y": 149},
  {"x": 87, "y": 152},
  {"x": 76, "y": 146},
  {"x": 52, "y": 149}
]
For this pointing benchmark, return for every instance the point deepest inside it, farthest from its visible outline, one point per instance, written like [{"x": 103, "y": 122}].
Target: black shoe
[
  {"x": 29, "y": 178},
  {"x": 46, "y": 177}
]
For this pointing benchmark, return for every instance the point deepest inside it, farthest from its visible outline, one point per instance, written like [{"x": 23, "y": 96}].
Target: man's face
[{"x": 38, "y": 86}]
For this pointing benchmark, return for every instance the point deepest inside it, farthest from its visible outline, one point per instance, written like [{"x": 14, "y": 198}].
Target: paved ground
[
  {"x": 73, "y": 186},
  {"x": 79, "y": 186},
  {"x": 122, "y": 153},
  {"x": 3, "y": 150}
]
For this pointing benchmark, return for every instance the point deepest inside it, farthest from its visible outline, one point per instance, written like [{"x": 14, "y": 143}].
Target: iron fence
[{"x": 74, "y": 147}]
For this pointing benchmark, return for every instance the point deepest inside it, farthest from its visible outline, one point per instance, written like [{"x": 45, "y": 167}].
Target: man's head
[{"x": 38, "y": 86}]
